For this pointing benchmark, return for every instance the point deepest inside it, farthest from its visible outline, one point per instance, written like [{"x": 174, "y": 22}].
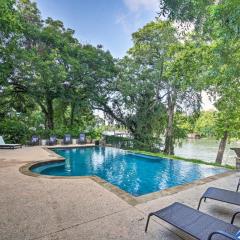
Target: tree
[
  {"x": 152, "y": 46},
  {"x": 224, "y": 76},
  {"x": 159, "y": 49},
  {"x": 151, "y": 83},
  {"x": 10, "y": 28},
  {"x": 218, "y": 24},
  {"x": 135, "y": 105},
  {"x": 228, "y": 117},
  {"x": 45, "y": 70}
]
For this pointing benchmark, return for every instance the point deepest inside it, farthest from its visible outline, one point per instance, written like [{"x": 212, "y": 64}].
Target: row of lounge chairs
[
  {"x": 198, "y": 224},
  {"x": 67, "y": 139},
  {"x": 35, "y": 140}
]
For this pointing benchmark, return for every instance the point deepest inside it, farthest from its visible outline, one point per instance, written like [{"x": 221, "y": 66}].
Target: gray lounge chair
[
  {"x": 35, "y": 141},
  {"x": 67, "y": 139},
  {"x": 221, "y": 195},
  {"x": 195, "y": 223},
  {"x": 3, "y": 145},
  {"x": 52, "y": 141},
  {"x": 82, "y": 138}
]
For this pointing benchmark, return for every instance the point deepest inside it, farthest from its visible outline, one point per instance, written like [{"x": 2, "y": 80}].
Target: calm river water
[{"x": 206, "y": 150}]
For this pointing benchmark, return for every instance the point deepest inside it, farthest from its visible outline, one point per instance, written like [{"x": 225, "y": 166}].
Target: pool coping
[{"x": 130, "y": 199}]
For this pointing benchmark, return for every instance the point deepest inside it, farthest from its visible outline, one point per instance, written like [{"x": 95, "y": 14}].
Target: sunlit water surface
[{"x": 133, "y": 173}]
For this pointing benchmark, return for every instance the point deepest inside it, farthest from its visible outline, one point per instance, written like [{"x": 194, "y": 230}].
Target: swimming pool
[{"x": 134, "y": 173}]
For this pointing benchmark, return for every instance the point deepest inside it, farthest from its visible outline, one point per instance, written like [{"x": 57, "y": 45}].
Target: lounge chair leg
[
  {"x": 205, "y": 199},
  {"x": 200, "y": 201},
  {"x": 148, "y": 221},
  {"x": 238, "y": 186}
]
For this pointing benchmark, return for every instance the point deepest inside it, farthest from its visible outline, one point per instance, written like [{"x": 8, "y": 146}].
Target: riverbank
[{"x": 206, "y": 149}]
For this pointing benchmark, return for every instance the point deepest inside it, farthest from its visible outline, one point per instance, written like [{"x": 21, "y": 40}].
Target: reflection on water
[
  {"x": 136, "y": 174},
  {"x": 206, "y": 150},
  {"x": 68, "y": 165}
]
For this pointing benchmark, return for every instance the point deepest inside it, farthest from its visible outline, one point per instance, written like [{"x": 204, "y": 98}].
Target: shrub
[{"x": 14, "y": 131}]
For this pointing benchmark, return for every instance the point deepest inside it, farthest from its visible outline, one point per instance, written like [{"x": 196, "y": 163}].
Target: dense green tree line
[{"x": 51, "y": 82}]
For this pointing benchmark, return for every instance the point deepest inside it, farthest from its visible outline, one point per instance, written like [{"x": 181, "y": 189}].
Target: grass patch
[{"x": 162, "y": 155}]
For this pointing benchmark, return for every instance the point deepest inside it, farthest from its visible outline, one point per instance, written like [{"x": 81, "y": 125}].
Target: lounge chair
[
  {"x": 82, "y": 138},
  {"x": 3, "y": 145},
  {"x": 35, "y": 140},
  {"x": 221, "y": 195},
  {"x": 52, "y": 141},
  {"x": 67, "y": 139},
  {"x": 195, "y": 223}
]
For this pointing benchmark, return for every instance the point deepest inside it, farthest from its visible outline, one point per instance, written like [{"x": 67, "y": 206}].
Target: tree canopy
[{"x": 44, "y": 69}]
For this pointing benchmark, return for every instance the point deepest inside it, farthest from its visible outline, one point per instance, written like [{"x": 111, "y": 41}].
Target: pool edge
[{"x": 130, "y": 199}]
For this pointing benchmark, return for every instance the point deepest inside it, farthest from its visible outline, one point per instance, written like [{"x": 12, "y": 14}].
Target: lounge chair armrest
[
  {"x": 233, "y": 217},
  {"x": 227, "y": 235}
]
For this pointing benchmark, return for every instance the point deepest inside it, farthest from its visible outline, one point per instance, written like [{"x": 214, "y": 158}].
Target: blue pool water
[{"x": 134, "y": 173}]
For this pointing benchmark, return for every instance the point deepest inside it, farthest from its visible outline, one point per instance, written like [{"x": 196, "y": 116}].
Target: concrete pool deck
[{"x": 79, "y": 208}]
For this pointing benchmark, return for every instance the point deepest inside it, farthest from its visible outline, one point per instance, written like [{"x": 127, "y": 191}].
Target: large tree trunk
[
  {"x": 221, "y": 148},
  {"x": 169, "y": 137},
  {"x": 49, "y": 114}
]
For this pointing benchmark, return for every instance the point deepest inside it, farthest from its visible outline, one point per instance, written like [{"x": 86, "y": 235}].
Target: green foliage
[
  {"x": 182, "y": 126},
  {"x": 14, "y": 131},
  {"x": 184, "y": 10},
  {"x": 131, "y": 143},
  {"x": 228, "y": 117},
  {"x": 151, "y": 83},
  {"x": 95, "y": 133},
  {"x": 9, "y": 18},
  {"x": 206, "y": 124},
  {"x": 120, "y": 142},
  {"x": 47, "y": 75}
]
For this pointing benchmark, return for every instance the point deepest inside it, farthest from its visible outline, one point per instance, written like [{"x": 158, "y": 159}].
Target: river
[{"x": 206, "y": 150}]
